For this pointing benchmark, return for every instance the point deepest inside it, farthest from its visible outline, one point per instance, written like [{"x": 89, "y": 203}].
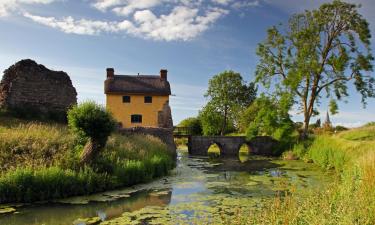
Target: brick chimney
[
  {"x": 163, "y": 74},
  {"x": 110, "y": 72}
]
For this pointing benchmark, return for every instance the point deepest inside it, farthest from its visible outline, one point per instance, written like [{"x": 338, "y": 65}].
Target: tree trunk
[
  {"x": 90, "y": 151},
  {"x": 223, "y": 128},
  {"x": 306, "y": 123}
]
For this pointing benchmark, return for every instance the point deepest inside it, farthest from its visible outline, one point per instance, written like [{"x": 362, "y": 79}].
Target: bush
[
  {"x": 90, "y": 120},
  {"x": 194, "y": 125}
]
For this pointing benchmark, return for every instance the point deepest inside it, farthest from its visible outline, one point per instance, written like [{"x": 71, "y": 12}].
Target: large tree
[
  {"x": 228, "y": 94},
  {"x": 318, "y": 53}
]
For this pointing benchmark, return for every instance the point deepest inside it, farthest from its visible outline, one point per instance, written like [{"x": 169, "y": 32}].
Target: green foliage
[
  {"x": 29, "y": 185},
  {"x": 333, "y": 107},
  {"x": 212, "y": 121},
  {"x": 351, "y": 200},
  {"x": 194, "y": 125},
  {"x": 267, "y": 116},
  {"x": 91, "y": 120},
  {"x": 41, "y": 161},
  {"x": 228, "y": 95},
  {"x": 318, "y": 51},
  {"x": 340, "y": 128},
  {"x": 324, "y": 152}
]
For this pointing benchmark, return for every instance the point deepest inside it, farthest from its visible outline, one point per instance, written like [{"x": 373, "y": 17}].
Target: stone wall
[
  {"x": 165, "y": 117},
  {"x": 31, "y": 88},
  {"x": 230, "y": 145},
  {"x": 164, "y": 134}
]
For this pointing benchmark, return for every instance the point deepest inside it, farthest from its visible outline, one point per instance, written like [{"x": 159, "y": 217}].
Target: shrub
[{"x": 92, "y": 121}]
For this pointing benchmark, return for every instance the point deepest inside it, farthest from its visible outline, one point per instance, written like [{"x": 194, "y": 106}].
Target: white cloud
[
  {"x": 185, "y": 20},
  {"x": 103, "y": 5},
  {"x": 8, "y": 6},
  {"x": 133, "y": 5},
  {"x": 245, "y": 4},
  {"x": 182, "y": 23},
  {"x": 72, "y": 26},
  {"x": 222, "y": 2}
]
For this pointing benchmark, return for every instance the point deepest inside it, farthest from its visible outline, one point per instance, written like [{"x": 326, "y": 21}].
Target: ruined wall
[
  {"x": 165, "y": 116},
  {"x": 164, "y": 134},
  {"x": 31, "y": 88}
]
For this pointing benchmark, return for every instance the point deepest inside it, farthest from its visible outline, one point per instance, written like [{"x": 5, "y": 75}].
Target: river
[{"x": 198, "y": 189}]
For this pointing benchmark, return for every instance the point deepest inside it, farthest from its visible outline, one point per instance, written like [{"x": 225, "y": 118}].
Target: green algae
[
  {"x": 88, "y": 221},
  {"x": 7, "y": 210}
]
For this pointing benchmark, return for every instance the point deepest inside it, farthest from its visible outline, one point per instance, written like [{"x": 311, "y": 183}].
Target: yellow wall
[{"x": 123, "y": 111}]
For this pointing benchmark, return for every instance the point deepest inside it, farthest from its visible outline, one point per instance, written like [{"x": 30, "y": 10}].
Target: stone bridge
[{"x": 230, "y": 145}]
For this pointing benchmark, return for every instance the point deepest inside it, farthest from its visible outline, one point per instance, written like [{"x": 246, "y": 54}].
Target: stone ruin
[{"x": 29, "y": 89}]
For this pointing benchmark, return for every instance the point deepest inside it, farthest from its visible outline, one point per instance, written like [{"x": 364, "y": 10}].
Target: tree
[
  {"x": 91, "y": 121},
  {"x": 319, "y": 51},
  {"x": 194, "y": 125},
  {"x": 270, "y": 117},
  {"x": 228, "y": 94},
  {"x": 212, "y": 120}
]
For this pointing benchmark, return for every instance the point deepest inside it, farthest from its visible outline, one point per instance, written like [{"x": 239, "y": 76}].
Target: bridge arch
[
  {"x": 230, "y": 145},
  {"x": 215, "y": 147}
]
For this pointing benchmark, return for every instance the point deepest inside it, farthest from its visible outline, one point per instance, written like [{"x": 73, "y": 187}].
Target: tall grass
[
  {"x": 40, "y": 161},
  {"x": 351, "y": 200}
]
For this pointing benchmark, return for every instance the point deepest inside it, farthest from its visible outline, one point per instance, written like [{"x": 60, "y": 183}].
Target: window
[
  {"x": 148, "y": 99},
  {"x": 136, "y": 118},
  {"x": 126, "y": 99}
]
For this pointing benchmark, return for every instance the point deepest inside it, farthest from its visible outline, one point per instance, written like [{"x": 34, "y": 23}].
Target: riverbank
[
  {"x": 199, "y": 190},
  {"x": 351, "y": 200},
  {"x": 40, "y": 161}
]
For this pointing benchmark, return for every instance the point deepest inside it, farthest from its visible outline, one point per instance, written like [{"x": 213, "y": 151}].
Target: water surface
[{"x": 200, "y": 187}]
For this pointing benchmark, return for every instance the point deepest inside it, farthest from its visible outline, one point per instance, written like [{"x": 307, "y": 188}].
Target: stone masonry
[
  {"x": 31, "y": 88},
  {"x": 230, "y": 145}
]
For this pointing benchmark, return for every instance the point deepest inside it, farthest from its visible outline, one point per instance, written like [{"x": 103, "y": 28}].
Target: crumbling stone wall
[
  {"x": 165, "y": 117},
  {"x": 31, "y": 88}
]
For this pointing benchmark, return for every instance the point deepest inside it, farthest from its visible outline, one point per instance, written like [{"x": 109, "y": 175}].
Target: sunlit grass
[
  {"x": 40, "y": 161},
  {"x": 350, "y": 201}
]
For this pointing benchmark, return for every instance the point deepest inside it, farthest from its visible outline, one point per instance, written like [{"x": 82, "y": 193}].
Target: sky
[{"x": 193, "y": 40}]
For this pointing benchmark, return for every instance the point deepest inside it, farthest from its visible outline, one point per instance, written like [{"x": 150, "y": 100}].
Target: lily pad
[
  {"x": 7, "y": 210},
  {"x": 88, "y": 221}
]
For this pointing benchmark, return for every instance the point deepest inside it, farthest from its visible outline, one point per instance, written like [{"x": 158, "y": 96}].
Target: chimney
[
  {"x": 163, "y": 74},
  {"x": 110, "y": 72}
]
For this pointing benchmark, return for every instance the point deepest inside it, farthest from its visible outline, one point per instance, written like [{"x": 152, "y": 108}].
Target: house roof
[{"x": 138, "y": 84}]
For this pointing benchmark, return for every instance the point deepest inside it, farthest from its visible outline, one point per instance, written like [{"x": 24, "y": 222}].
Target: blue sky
[{"x": 194, "y": 40}]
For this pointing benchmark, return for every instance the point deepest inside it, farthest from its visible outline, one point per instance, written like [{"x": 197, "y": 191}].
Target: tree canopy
[
  {"x": 228, "y": 95},
  {"x": 317, "y": 53},
  {"x": 194, "y": 125}
]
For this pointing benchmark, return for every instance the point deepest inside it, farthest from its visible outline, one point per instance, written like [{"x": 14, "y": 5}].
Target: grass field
[
  {"x": 40, "y": 161},
  {"x": 350, "y": 200}
]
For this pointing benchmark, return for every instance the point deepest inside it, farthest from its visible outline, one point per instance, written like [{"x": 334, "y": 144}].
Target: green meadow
[{"x": 40, "y": 161}]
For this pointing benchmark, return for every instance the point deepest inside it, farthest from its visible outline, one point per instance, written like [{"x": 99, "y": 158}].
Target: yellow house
[{"x": 139, "y": 100}]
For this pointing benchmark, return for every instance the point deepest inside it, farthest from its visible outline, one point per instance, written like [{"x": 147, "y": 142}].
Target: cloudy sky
[{"x": 193, "y": 39}]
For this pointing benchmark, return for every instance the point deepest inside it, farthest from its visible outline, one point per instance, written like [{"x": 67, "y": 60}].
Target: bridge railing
[{"x": 182, "y": 131}]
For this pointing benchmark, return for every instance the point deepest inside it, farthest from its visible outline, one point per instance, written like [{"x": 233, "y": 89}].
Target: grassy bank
[
  {"x": 351, "y": 200},
  {"x": 40, "y": 161}
]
